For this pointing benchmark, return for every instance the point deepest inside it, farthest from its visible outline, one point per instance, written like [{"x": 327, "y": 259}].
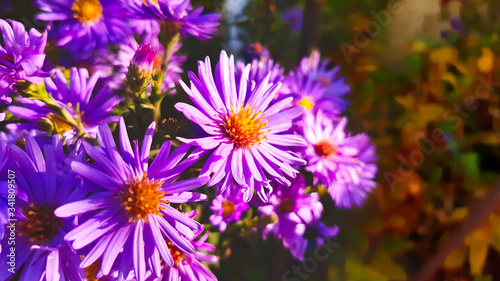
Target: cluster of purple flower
[{"x": 86, "y": 208}]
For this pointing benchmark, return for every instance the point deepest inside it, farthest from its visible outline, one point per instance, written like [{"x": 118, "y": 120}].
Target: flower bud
[
  {"x": 141, "y": 68},
  {"x": 46, "y": 125}
]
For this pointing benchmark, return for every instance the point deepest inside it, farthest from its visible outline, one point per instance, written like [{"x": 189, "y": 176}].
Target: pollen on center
[
  {"x": 325, "y": 148},
  {"x": 177, "y": 255},
  {"x": 87, "y": 11},
  {"x": 306, "y": 102},
  {"x": 246, "y": 127},
  {"x": 143, "y": 197},
  {"x": 41, "y": 224},
  {"x": 228, "y": 208}
]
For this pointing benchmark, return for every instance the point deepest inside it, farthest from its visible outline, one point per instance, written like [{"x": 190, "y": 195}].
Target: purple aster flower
[
  {"x": 293, "y": 17},
  {"x": 77, "y": 97},
  {"x": 244, "y": 132},
  {"x": 457, "y": 24},
  {"x": 345, "y": 164},
  {"x": 255, "y": 51},
  {"x": 294, "y": 212},
  {"x": 130, "y": 210},
  {"x": 228, "y": 207},
  {"x": 147, "y": 29},
  {"x": 177, "y": 16},
  {"x": 21, "y": 57},
  {"x": 259, "y": 70},
  {"x": 85, "y": 26},
  {"x": 187, "y": 266},
  {"x": 40, "y": 249},
  {"x": 315, "y": 87},
  {"x": 16, "y": 133}
]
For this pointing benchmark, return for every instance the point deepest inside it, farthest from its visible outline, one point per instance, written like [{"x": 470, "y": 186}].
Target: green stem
[{"x": 156, "y": 93}]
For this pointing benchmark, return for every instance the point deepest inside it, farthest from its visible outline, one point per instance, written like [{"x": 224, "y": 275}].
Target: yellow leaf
[
  {"x": 494, "y": 220},
  {"x": 366, "y": 68},
  {"x": 444, "y": 55},
  {"x": 495, "y": 242},
  {"x": 406, "y": 101},
  {"x": 448, "y": 77},
  {"x": 478, "y": 249},
  {"x": 396, "y": 221},
  {"x": 460, "y": 213},
  {"x": 485, "y": 62},
  {"x": 411, "y": 126},
  {"x": 419, "y": 46},
  {"x": 455, "y": 259},
  {"x": 431, "y": 111},
  {"x": 462, "y": 68}
]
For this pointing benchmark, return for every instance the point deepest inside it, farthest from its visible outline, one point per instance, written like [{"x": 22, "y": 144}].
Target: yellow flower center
[
  {"x": 57, "y": 123},
  {"x": 87, "y": 10},
  {"x": 91, "y": 271},
  {"x": 245, "y": 128},
  {"x": 143, "y": 197},
  {"x": 227, "y": 208},
  {"x": 325, "y": 148},
  {"x": 306, "y": 102},
  {"x": 41, "y": 224}
]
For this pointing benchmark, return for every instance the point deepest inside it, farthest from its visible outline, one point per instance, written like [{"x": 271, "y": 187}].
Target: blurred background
[
  {"x": 424, "y": 78},
  {"x": 425, "y": 82}
]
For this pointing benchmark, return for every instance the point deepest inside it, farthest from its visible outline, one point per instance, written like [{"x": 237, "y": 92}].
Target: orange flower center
[
  {"x": 245, "y": 128},
  {"x": 143, "y": 197},
  {"x": 227, "y": 208},
  {"x": 325, "y": 148},
  {"x": 258, "y": 47},
  {"x": 41, "y": 224},
  {"x": 175, "y": 252},
  {"x": 87, "y": 10}
]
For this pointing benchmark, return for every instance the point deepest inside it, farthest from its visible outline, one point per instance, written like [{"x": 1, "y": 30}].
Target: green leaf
[
  {"x": 470, "y": 164},
  {"x": 385, "y": 264},
  {"x": 483, "y": 278},
  {"x": 383, "y": 75},
  {"x": 414, "y": 61},
  {"x": 487, "y": 41},
  {"x": 396, "y": 245},
  {"x": 213, "y": 238},
  {"x": 358, "y": 272}
]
